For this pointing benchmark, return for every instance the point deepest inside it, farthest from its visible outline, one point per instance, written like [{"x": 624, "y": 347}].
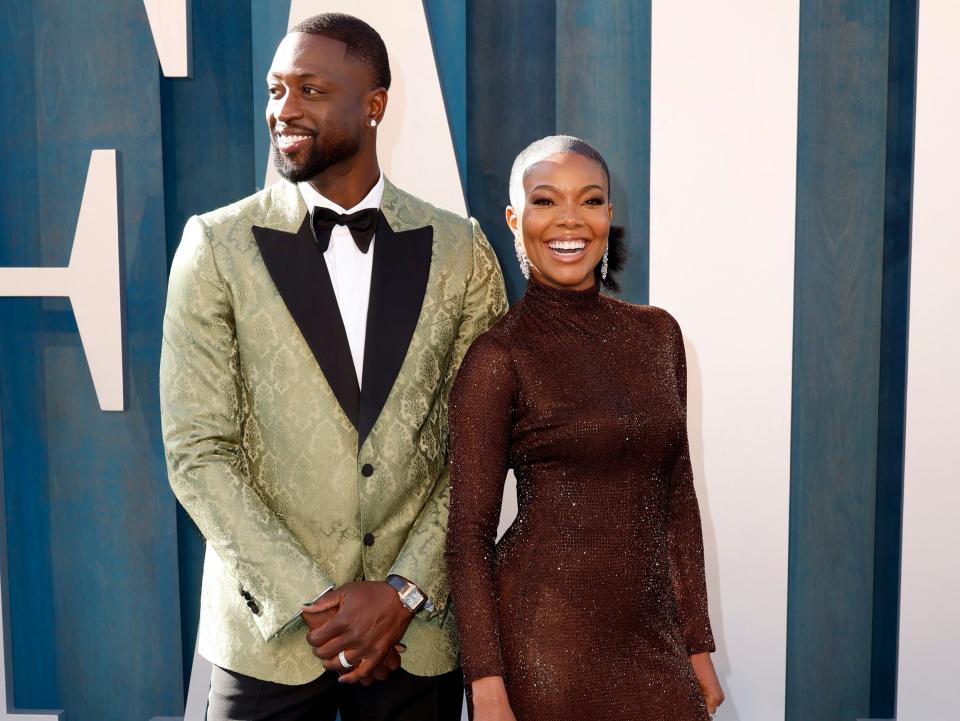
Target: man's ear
[{"x": 377, "y": 105}]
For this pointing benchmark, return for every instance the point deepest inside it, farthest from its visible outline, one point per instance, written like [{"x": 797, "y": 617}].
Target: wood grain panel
[
  {"x": 447, "y": 20},
  {"x": 209, "y": 159},
  {"x": 511, "y": 101},
  {"x": 95, "y": 577},
  {"x": 841, "y": 191},
  {"x": 603, "y": 96}
]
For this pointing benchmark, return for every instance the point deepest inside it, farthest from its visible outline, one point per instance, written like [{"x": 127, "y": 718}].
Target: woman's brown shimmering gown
[{"x": 593, "y": 600}]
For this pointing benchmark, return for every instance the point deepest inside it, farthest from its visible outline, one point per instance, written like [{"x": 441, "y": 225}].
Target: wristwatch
[{"x": 410, "y": 595}]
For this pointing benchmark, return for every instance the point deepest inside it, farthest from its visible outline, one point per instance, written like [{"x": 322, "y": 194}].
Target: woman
[{"x": 593, "y": 605}]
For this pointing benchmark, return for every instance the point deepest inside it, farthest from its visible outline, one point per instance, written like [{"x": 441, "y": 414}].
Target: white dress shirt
[{"x": 349, "y": 269}]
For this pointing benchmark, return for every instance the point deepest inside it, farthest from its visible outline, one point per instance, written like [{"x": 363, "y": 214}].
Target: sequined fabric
[{"x": 595, "y": 597}]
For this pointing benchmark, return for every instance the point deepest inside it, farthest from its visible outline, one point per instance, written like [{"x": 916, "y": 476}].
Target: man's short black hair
[{"x": 364, "y": 44}]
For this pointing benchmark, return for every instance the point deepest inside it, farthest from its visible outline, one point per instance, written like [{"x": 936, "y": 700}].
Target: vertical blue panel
[
  {"x": 511, "y": 101},
  {"x": 603, "y": 96},
  {"x": 447, "y": 20},
  {"x": 901, "y": 105},
  {"x": 92, "y": 530},
  {"x": 841, "y": 197},
  {"x": 269, "y": 20},
  {"x": 21, "y": 382},
  {"x": 209, "y": 160}
]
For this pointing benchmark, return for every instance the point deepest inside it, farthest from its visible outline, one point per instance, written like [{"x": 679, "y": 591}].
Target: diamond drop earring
[
  {"x": 522, "y": 256},
  {"x": 605, "y": 264}
]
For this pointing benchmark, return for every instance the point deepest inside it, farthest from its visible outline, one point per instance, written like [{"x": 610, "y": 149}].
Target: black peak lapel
[
  {"x": 300, "y": 273},
  {"x": 401, "y": 268}
]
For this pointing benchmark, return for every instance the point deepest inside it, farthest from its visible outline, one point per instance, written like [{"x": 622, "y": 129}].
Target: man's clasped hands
[{"x": 361, "y": 622}]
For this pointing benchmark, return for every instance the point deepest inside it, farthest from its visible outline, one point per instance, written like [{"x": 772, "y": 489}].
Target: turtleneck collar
[{"x": 538, "y": 292}]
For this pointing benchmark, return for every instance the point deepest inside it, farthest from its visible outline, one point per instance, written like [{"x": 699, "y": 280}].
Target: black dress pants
[{"x": 402, "y": 697}]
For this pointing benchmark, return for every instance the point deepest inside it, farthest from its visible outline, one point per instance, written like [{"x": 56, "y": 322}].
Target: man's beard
[{"x": 320, "y": 157}]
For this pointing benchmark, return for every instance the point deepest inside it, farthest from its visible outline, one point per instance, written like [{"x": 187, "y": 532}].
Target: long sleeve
[
  {"x": 202, "y": 409},
  {"x": 481, "y": 413},
  {"x": 421, "y": 558},
  {"x": 685, "y": 534},
  {"x": 584, "y": 396}
]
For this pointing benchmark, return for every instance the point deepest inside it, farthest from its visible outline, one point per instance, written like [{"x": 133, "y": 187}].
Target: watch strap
[{"x": 403, "y": 587}]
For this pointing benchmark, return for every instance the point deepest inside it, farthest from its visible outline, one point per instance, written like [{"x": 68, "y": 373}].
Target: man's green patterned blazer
[{"x": 297, "y": 480}]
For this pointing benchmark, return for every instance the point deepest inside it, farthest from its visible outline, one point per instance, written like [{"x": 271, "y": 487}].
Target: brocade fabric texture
[
  {"x": 265, "y": 459},
  {"x": 591, "y": 603}
]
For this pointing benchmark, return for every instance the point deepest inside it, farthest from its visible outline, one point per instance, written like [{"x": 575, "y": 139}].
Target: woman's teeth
[{"x": 567, "y": 246}]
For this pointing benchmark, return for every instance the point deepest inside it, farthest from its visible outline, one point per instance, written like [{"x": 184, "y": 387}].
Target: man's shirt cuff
[{"x": 296, "y": 616}]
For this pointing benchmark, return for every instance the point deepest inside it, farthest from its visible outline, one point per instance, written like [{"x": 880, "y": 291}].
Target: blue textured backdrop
[
  {"x": 208, "y": 161},
  {"x": 104, "y": 569},
  {"x": 854, "y": 176},
  {"x": 91, "y": 528}
]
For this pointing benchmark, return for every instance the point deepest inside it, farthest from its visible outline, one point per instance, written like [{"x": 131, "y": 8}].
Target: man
[{"x": 312, "y": 334}]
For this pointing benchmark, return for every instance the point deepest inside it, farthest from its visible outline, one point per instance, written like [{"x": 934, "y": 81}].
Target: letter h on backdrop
[{"x": 93, "y": 281}]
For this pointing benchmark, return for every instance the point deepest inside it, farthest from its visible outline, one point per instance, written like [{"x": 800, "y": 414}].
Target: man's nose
[{"x": 287, "y": 107}]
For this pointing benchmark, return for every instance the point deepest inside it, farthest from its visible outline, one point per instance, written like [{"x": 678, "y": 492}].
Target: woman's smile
[
  {"x": 568, "y": 250},
  {"x": 563, "y": 222}
]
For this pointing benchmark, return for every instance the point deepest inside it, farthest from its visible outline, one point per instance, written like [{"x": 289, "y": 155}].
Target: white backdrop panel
[
  {"x": 930, "y": 581},
  {"x": 722, "y": 207}
]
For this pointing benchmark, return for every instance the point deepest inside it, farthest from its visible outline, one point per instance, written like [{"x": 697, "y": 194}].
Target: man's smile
[{"x": 290, "y": 140}]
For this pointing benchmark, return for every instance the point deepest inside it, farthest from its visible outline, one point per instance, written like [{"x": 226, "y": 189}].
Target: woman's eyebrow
[{"x": 544, "y": 186}]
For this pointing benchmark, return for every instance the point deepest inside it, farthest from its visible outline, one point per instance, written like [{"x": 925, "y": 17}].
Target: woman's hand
[
  {"x": 490, "y": 701},
  {"x": 707, "y": 678}
]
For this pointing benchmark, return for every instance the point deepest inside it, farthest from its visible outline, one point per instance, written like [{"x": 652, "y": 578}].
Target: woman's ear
[
  {"x": 513, "y": 219},
  {"x": 610, "y": 211}
]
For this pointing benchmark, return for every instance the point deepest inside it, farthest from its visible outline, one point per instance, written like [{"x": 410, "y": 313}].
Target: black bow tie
[{"x": 362, "y": 225}]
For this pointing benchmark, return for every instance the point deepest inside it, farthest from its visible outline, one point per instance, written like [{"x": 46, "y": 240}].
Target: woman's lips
[{"x": 568, "y": 250}]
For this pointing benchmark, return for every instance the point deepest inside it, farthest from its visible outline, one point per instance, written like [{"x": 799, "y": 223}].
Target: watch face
[{"x": 413, "y": 598}]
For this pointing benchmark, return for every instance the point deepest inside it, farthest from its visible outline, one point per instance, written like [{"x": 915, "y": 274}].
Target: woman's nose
[{"x": 569, "y": 216}]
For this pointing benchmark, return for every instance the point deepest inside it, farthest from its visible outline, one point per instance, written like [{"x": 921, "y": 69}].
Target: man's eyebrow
[{"x": 299, "y": 76}]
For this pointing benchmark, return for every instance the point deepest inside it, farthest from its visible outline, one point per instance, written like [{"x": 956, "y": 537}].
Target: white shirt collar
[{"x": 314, "y": 199}]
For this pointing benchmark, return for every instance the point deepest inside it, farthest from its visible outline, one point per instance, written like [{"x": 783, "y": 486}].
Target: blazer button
[
  {"x": 368, "y": 539},
  {"x": 252, "y": 605},
  {"x": 367, "y": 470}
]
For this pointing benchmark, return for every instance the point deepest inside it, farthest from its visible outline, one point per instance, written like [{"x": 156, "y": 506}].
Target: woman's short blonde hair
[{"x": 544, "y": 148}]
